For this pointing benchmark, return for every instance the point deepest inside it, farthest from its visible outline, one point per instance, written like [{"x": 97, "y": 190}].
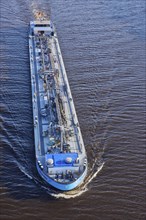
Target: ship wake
[{"x": 84, "y": 187}]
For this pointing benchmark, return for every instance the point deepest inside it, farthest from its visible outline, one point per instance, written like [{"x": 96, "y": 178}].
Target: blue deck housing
[{"x": 59, "y": 159}]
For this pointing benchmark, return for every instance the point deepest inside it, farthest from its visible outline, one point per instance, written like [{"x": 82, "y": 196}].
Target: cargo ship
[{"x": 61, "y": 158}]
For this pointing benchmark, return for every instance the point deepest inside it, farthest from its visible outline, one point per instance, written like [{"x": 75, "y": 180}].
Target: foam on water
[
  {"x": 23, "y": 170},
  {"x": 82, "y": 188}
]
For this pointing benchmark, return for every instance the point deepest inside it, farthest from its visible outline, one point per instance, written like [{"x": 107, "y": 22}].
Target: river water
[{"x": 103, "y": 47}]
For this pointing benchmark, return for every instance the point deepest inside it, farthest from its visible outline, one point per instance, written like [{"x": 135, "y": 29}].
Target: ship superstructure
[{"x": 60, "y": 153}]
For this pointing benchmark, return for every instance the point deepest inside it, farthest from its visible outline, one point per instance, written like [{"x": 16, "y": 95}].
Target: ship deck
[{"x": 56, "y": 127}]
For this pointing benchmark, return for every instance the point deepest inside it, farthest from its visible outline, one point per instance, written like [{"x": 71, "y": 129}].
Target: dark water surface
[{"x": 103, "y": 46}]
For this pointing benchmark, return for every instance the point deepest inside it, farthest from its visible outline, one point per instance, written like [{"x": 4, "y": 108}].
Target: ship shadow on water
[{"x": 20, "y": 179}]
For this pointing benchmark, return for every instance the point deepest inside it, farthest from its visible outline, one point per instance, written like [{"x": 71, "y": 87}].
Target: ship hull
[{"x": 61, "y": 167}]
